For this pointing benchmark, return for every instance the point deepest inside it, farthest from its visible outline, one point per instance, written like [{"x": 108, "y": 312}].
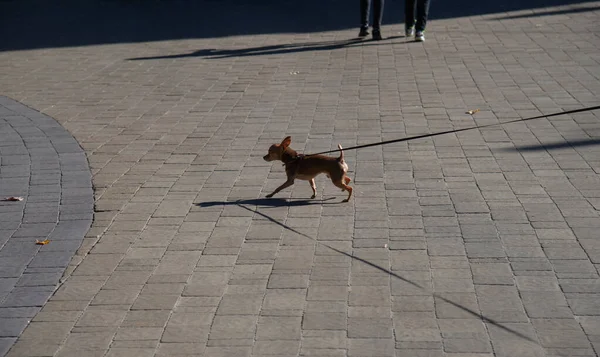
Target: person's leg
[
  {"x": 422, "y": 14},
  {"x": 377, "y": 14},
  {"x": 377, "y": 17},
  {"x": 364, "y": 17},
  {"x": 409, "y": 14}
]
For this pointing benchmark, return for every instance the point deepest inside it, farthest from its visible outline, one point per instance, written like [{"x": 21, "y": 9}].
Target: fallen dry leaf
[
  {"x": 13, "y": 198},
  {"x": 471, "y": 112},
  {"x": 42, "y": 242}
]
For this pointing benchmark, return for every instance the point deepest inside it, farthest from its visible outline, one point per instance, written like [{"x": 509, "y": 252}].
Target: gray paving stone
[
  {"x": 280, "y": 348},
  {"x": 39, "y": 279},
  {"x": 16, "y": 312},
  {"x": 12, "y": 327},
  {"x": 280, "y": 297},
  {"x": 143, "y": 318},
  {"x": 369, "y": 328},
  {"x": 155, "y": 302},
  {"x": 49, "y": 260},
  {"x": 27, "y": 296},
  {"x": 418, "y": 353},
  {"x": 560, "y": 333},
  {"x": 5, "y": 344},
  {"x": 461, "y": 304},
  {"x": 467, "y": 345},
  {"x": 233, "y": 327},
  {"x": 328, "y": 293},
  {"x": 100, "y": 317},
  {"x": 240, "y": 304},
  {"x": 279, "y": 328},
  {"x": 583, "y": 304},
  {"x": 321, "y": 340},
  {"x": 369, "y": 296},
  {"x": 506, "y": 343},
  {"x": 182, "y": 334},
  {"x": 545, "y": 304},
  {"x": 288, "y": 281},
  {"x": 371, "y": 347},
  {"x": 485, "y": 250},
  {"x": 538, "y": 264},
  {"x": 412, "y": 303},
  {"x": 580, "y": 285}
]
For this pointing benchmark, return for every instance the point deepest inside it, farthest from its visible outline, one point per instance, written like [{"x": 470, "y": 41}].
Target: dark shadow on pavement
[
  {"x": 549, "y": 13},
  {"x": 273, "y": 50},
  {"x": 270, "y": 202},
  {"x": 557, "y": 145},
  {"x": 373, "y": 265},
  {"x": 34, "y": 24}
]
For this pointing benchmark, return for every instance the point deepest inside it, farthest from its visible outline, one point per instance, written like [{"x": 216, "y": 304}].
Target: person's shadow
[
  {"x": 38, "y": 24},
  {"x": 212, "y": 53}
]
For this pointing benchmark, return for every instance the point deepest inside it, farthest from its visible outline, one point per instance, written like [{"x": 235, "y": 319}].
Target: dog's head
[{"x": 276, "y": 150}]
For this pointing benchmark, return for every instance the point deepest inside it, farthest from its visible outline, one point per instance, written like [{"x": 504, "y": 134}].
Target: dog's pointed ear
[{"x": 286, "y": 142}]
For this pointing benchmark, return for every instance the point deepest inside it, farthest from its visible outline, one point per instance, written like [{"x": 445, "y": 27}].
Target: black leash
[{"x": 458, "y": 130}]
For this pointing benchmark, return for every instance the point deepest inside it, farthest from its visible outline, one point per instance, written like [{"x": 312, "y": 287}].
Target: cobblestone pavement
[
  {"x": 44, "y": 165},
  {"x": 476, "y": 244}
]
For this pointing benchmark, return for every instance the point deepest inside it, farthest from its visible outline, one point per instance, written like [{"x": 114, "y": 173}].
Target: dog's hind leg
[{"x": 344, "y": 187}]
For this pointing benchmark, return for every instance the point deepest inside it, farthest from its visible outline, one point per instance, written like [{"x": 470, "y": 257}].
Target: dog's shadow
[{"x": 270, "y": 202}]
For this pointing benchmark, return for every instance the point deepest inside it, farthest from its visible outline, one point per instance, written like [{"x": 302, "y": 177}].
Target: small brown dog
[{"x": 308, "y": 167}]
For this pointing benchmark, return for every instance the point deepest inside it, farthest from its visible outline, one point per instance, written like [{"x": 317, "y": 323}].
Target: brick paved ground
[
  {"x": 45, "y": 166},
  {"x": 482, "y": 243}
]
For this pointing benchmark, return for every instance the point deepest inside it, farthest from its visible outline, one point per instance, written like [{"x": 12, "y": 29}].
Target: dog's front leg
[
  {"x": 313, "y": 185},
  {"x": 286, "y": 184}
]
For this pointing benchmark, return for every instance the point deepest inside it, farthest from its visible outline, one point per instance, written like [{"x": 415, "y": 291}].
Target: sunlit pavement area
[{"x": 477, "y": 243}]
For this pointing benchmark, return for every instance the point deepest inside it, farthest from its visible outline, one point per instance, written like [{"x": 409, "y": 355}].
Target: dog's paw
[
  {"x": 269, "y": 195},
  {"x": 346, "y": 200},
  {"x": 313, "y": 196}
]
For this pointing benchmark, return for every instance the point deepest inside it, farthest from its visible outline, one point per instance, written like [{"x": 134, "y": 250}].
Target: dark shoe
[
  {"x": 377, "y": 35},
  {"x": 364, "y": 32}
]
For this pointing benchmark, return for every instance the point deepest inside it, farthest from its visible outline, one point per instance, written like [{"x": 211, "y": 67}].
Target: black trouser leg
[
  {"x": 364, "y": 13},
  {"x": 377, "y": 14},
  {"x": 409, "y": 13},
  {"x": 422, "y": 13}
]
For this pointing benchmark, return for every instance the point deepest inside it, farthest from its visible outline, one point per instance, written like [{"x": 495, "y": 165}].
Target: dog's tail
[{"x": 341, "y": 158}]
